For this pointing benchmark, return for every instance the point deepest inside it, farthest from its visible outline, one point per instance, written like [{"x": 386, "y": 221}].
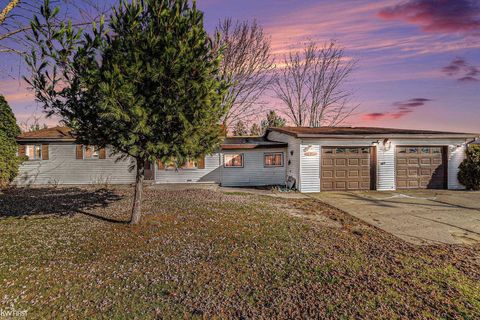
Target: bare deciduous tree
[
  {"x": 311, "y": 85},
  {"x": 16, "y": 14},
  {"x": 247, "y": 65}
]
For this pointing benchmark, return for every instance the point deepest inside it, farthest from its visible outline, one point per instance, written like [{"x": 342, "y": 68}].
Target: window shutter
[
  {"x": 160, "y": 164},
  {"x": 21, "y": 150},
  {"x": 201, "y": 163},
  {"x": 79, "y": 152},
  {"x": 103, "y": 153},
  {"x": 44, "y": 151}
]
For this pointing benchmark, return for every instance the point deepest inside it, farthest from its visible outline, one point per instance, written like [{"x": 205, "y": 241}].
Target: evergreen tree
[
  {"x": 240, "y": 129},
  {"x": 148, "y": 87},
  {"x": 255, "y": 130},
  {"x": 272, "y": 120},
  {"x": 8, "y": 123},
  {"x": 9, "y": 131}
]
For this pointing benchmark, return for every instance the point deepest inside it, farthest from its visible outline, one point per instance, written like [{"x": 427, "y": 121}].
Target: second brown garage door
[
  {"x": 345, "y": 168},
  {"x": 421, "y": 167}
]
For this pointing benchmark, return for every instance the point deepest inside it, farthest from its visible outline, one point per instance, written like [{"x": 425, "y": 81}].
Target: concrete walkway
[{"x": 419, "y": 216}]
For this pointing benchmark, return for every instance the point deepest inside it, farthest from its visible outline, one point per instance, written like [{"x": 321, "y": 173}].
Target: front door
[{"x": 149, "y": 171}]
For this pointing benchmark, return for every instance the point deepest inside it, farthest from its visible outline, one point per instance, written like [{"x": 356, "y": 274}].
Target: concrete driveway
[{"x": 417, "y": 216}]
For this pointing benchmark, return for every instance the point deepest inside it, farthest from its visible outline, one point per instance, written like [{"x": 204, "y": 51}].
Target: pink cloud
[
  {"x": 462, "y": 70},
  {"x": 437, "y": 15},
  {"x": 374, "y": 116},
  {"x": 401, "y": 109}
]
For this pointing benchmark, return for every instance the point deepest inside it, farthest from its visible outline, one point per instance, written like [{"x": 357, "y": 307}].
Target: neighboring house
[{"x": 314, "y": 159}]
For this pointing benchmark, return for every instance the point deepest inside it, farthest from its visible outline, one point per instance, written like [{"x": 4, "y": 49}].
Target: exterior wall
[
  {"x": 292, "y": 159},
  {"x": 310, "y": 168},
  {"x": 211, "y": 173},
  {"x": 253, "y": 172},
  {"x": 63, "y": 168}
]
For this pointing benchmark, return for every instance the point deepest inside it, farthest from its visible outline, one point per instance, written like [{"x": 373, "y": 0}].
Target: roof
[
  {"x": 49, "y": 134},
  {"x": 308, "y": 132},
  {"x": 65, "y": 134},
  {"x": 232, "y": 143}
]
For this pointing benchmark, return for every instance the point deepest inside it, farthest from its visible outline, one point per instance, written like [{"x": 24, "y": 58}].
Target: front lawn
[{"x": 202, "y": 253}]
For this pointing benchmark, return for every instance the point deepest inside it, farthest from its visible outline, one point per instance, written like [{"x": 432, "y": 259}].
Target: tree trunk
[{"x": 137, "y": 199}]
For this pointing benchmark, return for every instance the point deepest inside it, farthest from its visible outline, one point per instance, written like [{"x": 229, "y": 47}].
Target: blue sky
[{"x": 418, "y": 60}]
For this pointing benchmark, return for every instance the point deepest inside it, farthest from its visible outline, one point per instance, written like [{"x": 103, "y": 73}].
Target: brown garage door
[
  {"x": 345, "y": 168},
  {"x": 421, "y": 167}
]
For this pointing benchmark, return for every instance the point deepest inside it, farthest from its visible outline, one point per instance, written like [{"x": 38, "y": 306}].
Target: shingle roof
[
  {"x": 232, "y": 143},
  {"x": 65, "y": 134},
  {"x": 307, "y": 132},
  {"x": 56, "y": 133}
]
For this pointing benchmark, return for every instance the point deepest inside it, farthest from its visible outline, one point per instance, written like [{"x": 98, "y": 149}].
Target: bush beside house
[
  {"x": 9, "y": 130},
  {"x": 469, "y": 174}
]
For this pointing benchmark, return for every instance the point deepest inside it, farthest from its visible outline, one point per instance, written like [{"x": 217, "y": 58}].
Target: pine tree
[
  {"x": 255, "y": 130},
  {"x": 8, "y": 123},
  {"x": 272, "y": 120},
  {"x": 240, "y": 129},
  {"x": 148, "y": 87},
  {"x": 9, "y": 131}
]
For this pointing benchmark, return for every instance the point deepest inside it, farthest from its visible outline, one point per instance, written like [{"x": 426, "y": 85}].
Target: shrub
[{"x": 469, "y": 174}]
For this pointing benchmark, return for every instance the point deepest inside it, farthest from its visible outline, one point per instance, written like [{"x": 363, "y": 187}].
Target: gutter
[
  {"x": 44, "y": 140},
  {"x": 385, "y": 136}
]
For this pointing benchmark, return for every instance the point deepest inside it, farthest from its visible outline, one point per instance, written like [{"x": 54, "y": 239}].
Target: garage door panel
[
  {"x": 327, "y": 185},
  {"x": 353, "y": 173},
  {"x": 427, "y": 161},
  {"x": 340, "y": 185},
  {"x": 327, "y": 162},
  {"x": 353, "y": 185},
  {"x": 353, "y": 162},
  {"x": 340, "y": 173},
  {"x": 327, "y": 173},
  {"x": 420, "y": 167},
  {"x": 348, "y": 168}
]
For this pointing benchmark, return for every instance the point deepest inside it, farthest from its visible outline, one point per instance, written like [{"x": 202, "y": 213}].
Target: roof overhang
[
  {"x": 247, "y": 146},
  {"x": 19, "y": 140},
  {"x": 386, "y": 136}
]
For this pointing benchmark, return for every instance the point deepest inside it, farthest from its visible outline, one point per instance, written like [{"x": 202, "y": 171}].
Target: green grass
[{"x": 207, "y": 254}]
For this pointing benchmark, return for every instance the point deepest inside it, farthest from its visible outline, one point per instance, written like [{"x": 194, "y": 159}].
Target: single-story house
[{"x": 310, "y": 159}]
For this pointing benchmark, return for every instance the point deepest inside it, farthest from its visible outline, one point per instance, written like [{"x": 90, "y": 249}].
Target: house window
[
  {"x": 273, "y": 159},
  {"x": 91, "y": 152},
  {"x": 190, "y": 164},
  {"x": 34, "y": 151},
  {"x": 233, "y": 160}
]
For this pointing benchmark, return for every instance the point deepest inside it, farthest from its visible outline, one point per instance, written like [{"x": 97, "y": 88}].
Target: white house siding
[
  {"x": 211, "y": 173},
  {"x": 63, "y": 168},
  {"x": 385, "y": 167},
  {"x": 293, "y": 154},
  {"x": 253, "y": 173},
  {"x": 310, "y": 168}
]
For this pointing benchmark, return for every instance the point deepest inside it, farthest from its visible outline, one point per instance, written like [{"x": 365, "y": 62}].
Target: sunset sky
[{"x": 418, "y": 60}]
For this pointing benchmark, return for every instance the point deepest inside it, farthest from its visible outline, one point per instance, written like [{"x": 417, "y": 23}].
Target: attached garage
[
  {"x": 346, "y": 168},
  {"x": 421, "y": 167}
]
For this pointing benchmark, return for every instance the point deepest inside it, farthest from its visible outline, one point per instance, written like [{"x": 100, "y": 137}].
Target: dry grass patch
[{"x": 201, "y": 253}]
